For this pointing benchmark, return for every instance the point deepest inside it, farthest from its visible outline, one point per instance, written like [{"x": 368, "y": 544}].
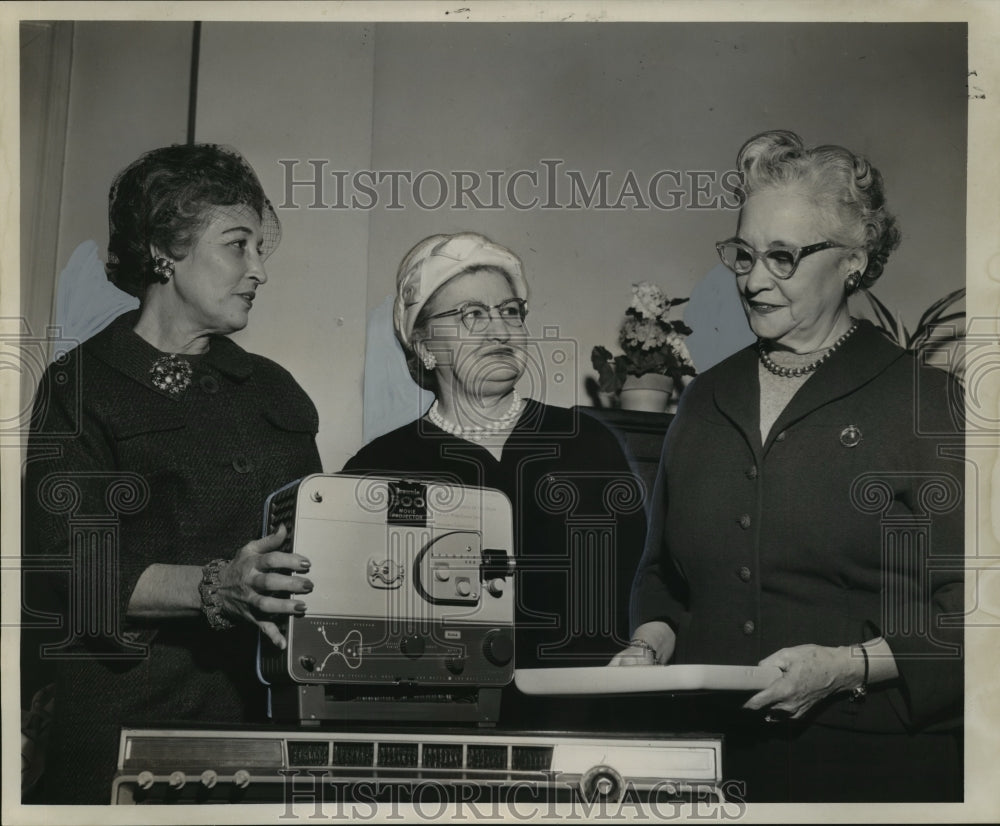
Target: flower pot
[{"x": 651, "y": 392}]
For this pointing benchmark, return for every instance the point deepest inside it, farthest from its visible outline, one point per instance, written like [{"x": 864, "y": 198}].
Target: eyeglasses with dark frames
[
  {"x": 781, "y": 261},
  {"x": 477, "y": 316}
]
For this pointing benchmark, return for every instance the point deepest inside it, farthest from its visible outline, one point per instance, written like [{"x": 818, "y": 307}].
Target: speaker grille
[
  {"x": 353, "y": 754},
  {"x": 531, "y": 758},
  {"x": 442, "y": 756},
  {"x": 398, "y": 755},
  {"x": 308, "y": 753},
  {"x": 487, "y": 757}
]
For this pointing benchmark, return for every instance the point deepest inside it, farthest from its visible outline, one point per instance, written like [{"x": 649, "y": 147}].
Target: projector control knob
[
  {"x": 209, "y": 778},
  {"x": 145, "y": 780},
  {"x": 413, "y": 647},
  {"x": 601, "y": 783},
  {"x": 498, "y": 647},
  {"x": 177, "y": 780},
  {"x": 308, "y": 663},
  {"x": 241, "y": 779},
  {"x": 456, "y": 665}
]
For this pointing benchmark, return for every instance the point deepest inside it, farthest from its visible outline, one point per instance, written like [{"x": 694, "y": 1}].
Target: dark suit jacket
[
  {"x": 119, "y": 476},
  {"x": 846, "y": 523}
]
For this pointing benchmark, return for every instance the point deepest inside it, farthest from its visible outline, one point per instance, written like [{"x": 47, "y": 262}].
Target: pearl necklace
[
  {"x": 795, "y": 372},
  {"x": 477, "y": 432}
]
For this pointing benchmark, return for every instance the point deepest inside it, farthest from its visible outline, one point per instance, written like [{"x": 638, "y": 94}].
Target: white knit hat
[{"x": 438, "y": 259}]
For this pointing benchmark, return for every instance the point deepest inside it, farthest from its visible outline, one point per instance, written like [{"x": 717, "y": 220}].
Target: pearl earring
[{"x": 430, "y": 361}]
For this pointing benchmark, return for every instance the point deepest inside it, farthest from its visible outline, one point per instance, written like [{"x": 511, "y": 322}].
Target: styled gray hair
[{"x": 845, "y": 185}]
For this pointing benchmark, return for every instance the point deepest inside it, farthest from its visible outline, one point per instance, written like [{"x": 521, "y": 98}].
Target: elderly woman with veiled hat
[
  {"x": 459, "y": 314},
  {"x": 154, "y": 445}
]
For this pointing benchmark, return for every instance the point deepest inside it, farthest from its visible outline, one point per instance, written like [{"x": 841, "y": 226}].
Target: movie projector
[
  {"x": 394, "y": 674},
  {"x": 412, "y": 613}
]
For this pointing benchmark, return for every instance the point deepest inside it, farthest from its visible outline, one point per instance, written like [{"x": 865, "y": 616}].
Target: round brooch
[
  {"x": 850, "y": 436},
  {"x": 171, "y": 374}
]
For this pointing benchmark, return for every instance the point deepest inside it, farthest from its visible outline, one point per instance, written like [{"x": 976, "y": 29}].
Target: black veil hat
[{"x": 167, "y": 196}]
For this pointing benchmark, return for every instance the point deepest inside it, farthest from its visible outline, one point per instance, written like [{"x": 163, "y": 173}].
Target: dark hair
[
  {"x": 165, "y": 198},
  {"x": 844, "y": 184}
]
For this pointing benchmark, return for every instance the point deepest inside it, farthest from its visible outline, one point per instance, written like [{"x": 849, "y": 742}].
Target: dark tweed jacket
[
  {"x": 822, "y": 534},
  {"x": 148, "y": 478}
]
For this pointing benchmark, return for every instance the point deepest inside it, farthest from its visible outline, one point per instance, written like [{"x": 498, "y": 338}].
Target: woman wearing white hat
[
  {"x": 461, "y": 302},
  {"x": 459, "y": 314}
]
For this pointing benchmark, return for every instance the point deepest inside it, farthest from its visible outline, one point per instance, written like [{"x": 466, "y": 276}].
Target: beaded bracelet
[
  {"x": 645, "y": 646},
  {"x": 859, "y": 692},
  {"x": 208, "y": 590}
]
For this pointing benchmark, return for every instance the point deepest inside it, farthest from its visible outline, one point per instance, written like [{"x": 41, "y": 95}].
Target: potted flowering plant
[{"x": 655, "y": 356}]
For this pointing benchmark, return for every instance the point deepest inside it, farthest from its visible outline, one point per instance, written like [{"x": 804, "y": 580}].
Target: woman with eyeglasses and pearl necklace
[
  {"x": 459, "y": 315},
  {"x": 808, "y": 511}
]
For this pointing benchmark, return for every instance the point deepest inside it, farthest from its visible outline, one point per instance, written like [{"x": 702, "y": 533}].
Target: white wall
[
  {"x": 128, "y": 94},
  {"x": 301, "y": 91},
  {"x": 479, "y": 97},
  {"x": 646, "y": 97},
  {"x": 125, "y": 91}
]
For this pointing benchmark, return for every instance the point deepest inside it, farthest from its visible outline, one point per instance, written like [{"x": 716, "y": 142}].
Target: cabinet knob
[{"x": 498, "y": 647}]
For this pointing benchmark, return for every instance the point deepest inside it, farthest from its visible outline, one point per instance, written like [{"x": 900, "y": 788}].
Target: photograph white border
[{"x": 983, "y": 282}]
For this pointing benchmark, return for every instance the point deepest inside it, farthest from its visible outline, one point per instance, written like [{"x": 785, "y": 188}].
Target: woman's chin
[
  {"x": 499, "y": 384},
  {"x": 501, "y": 371},
  {"x": 234, "y": 324},
  {"x": 767, "y": 327}
]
